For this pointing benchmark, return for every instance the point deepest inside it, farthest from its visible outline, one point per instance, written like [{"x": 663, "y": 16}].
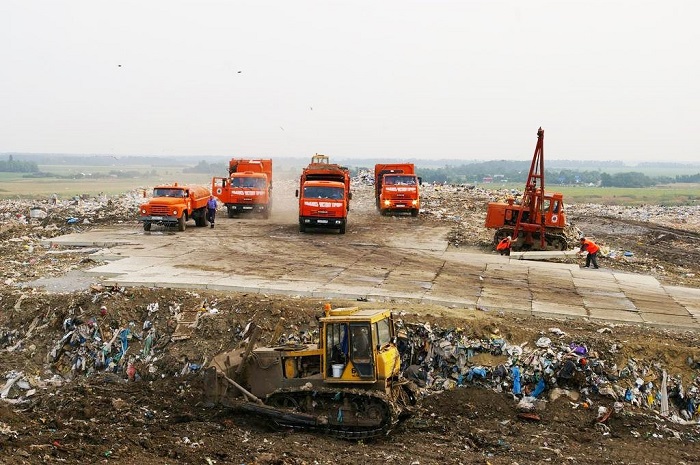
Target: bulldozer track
[{"x": 352, "y": 414}]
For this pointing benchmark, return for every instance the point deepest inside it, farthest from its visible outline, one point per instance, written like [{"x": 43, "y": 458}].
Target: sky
[{"x": 470, "y": 80}]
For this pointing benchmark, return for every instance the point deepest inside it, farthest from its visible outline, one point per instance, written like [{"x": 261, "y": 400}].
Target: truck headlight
[
  {"x": 143, "y": 211},
  {"x": 415, "y": 202},
  {"x": 387, "y": 203},
  {"x": 174, "y": 212}
]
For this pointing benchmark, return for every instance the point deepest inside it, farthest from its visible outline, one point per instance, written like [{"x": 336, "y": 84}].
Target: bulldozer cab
[
  {"x": 356, "y": 343},
  {"x": 318, "y": 158},
  {"x": 350, "y": 347}
]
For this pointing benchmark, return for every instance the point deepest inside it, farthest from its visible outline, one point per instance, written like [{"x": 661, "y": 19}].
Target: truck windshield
[
  {"x": 249, "y": 183},
  {"x": 164, "y": 192},
  {"x": 400, "y": 180},
  {"x": 323, "y": 193}
]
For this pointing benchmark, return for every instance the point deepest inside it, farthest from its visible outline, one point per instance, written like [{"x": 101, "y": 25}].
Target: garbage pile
[
  {"x": 77, "y": 210},
  {"x": 682, "y": 217},
  {"x": 25, "y": 223},
  {"x": 98, "y": 342},
  {"x": 443, "y": 359}
]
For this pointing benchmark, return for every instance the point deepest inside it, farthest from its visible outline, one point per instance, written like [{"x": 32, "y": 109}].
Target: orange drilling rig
[{"x": 536, "y": 221}]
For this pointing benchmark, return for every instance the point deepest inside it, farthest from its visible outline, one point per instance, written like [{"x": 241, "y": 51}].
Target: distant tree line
[
  {"x": 121, "y": 174},
  {"x": 630, "y": 179},
  {"x": 214, "y": 168},
  {"x": 516, "y": 172},
  {"x": 15, "y": 166}
]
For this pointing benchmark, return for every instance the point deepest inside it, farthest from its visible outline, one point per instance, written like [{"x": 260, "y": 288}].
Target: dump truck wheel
[
  {"x": 302, "y": 228},
  {"x": 229, "y": 211},
  {"x": 342, "y": 228},
  {"x": 181, "y": 223},
  {"x": 200, "y": 218},
  {"x": 414, "y": 212},
  {"x": 146, "y": 225}
]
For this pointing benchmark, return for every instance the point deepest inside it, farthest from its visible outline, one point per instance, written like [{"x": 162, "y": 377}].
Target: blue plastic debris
[{"x": 516, "y": 380}]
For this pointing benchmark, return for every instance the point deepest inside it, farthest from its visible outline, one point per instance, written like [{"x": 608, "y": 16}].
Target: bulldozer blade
[{"x": 281, "y": 416}]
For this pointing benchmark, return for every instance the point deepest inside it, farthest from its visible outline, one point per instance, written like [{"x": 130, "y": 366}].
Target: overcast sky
[{"x": 607, "y": 80}]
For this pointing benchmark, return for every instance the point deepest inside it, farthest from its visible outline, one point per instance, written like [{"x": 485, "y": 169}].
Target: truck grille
[{"x": 160, "y": 210}]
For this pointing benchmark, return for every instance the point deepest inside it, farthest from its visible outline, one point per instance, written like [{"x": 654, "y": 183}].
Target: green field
[
  {"x": 668, "y": 195},
  {"x": 14, "y": 185},
  {"x": 675, "y": 194}
]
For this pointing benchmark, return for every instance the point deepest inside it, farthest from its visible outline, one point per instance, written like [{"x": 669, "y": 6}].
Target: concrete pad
[
  {"x": 131, "y": 281},
  {"x": 694, "y": 311},
  {"x": 548, "y": 278},
  {"x": 596, "y": 285},
  {"x": 595, "y": 293},
  {"x": 435, "y": 243},
  {"x": 680, "y": 321},
  {"x": 614, "y": 315},
  {"x": 608, "y": 303},
  {"x": 542, "y": 254},
  {"x": 636, "y": 280},
  {"x": 684, "y": 295},
  {"x": 503, "y": 289},
  {"x": 74, "y": 280},
  {"x": 665, "y": 307},
  {"x": 106, "y": 256},
  {"x": 428, "y": 272},
  {"x": 475, "y": 259},
  {"x": 554, "y": 299},
  {"x": 124, "y": 266},
  {"x": 449, "y": 290},
  {"x": 449, "y": 301},
  {"x": 508, "y": 305},
  {"x": 544, "y": 267},
  {"x": 540, "y": 308},
  {"x": 357, "y": 280}
]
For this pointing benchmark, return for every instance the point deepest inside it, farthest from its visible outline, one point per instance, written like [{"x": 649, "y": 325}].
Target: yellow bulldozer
[{"x": 349, "y": 384}]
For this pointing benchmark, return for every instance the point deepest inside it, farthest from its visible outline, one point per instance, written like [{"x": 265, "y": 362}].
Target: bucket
[{"x": 337, "y": 369}]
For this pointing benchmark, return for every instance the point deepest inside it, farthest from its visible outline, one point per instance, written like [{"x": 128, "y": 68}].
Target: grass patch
[{"x": 15, "y": 185}]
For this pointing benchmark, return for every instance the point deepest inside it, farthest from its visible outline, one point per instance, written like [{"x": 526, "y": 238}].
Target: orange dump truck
[
  {"x": 173, "y": 204},
  {"x": 396, "y": 188},
  {"x": 324, "y": 195},
  {"x": 247, "y": 189}
]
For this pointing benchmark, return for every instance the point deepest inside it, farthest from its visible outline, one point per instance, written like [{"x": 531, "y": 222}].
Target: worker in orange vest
[
  {"x": 503, "y": 247},
  {"x": 592, "y": 248}
]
